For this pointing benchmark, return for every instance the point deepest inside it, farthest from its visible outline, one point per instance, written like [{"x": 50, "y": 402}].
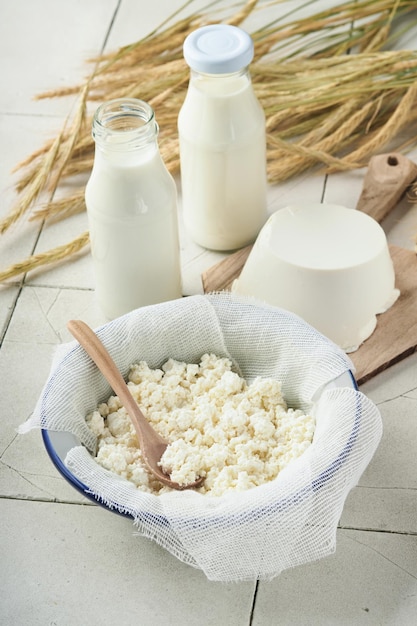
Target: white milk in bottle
[
  {"x": 131, "y": 204},
  {"x": 222, "y": 141}
]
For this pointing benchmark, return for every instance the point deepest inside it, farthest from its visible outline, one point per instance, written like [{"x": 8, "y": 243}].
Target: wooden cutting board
[{"x": 395, "y": 336}]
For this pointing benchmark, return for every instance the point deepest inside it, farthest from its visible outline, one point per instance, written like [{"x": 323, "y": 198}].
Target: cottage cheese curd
[{"x": 236, "y": 435}]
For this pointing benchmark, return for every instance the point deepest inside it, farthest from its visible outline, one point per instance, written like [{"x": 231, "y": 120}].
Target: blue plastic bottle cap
[{"x": 218, "y": 49}]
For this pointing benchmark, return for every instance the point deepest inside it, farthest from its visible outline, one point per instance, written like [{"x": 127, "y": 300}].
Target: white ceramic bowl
[{"x": 328, "y": 264}]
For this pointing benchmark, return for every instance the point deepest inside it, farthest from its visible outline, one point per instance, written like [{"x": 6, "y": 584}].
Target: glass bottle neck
[{"x": 125, "y": 126}]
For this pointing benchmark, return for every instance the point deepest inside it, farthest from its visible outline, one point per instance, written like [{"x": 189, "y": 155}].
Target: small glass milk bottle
[
  {"x": 131, "y": 204},
  {"x": 222, "y": 141}
]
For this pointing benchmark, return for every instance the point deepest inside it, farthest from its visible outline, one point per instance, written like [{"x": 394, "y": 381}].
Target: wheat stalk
[
  {"x": 60, "y": 209},
  {"x": 46, "y": 258},
  {"x": 324, "y": 108},
  {"x": 36, "y": 186}
]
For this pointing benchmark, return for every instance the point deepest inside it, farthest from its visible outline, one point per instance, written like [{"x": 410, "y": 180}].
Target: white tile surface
[
  {"x": 67, "y": 561},
  {"x": 45, "y": 46},
  {"x": 371, "y": 579},
  {"x": 84, "y": 566}
]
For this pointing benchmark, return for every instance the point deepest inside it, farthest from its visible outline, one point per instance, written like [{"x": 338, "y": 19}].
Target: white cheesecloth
[{"x": 249, "y": 535}]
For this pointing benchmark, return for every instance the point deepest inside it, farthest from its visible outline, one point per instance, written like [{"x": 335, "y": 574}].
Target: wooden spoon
[{"x": 151, "y": 444}]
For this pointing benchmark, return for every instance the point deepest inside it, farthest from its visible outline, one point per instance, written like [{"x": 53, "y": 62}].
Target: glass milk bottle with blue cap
[
  {"x": 131, "y": 201},
  {"x": 222, "y": 141}
]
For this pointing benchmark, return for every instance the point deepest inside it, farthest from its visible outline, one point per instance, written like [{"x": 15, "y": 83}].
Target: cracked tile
[
  {"x": 23, "y": 371},
  {"x": 393, "y": 510},
  {"x": 371, "y": 579},
  {"x": 399, "y": 379},
  {"x": 18, "y": 485},
  {"x": 394, "y": 464},
  {"x": 37, "y": 327},
  {"x": 7, "y": 301},
  {"x": 42, "y": 314},
  {"x": 386, "y": 498},
  {"x": 27, "y": 473}
]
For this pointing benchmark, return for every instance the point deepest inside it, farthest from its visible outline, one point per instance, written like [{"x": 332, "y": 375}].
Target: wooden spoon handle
[
  {"x": 152, "y": 445},
  {"x": 98, "y": 353}
]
